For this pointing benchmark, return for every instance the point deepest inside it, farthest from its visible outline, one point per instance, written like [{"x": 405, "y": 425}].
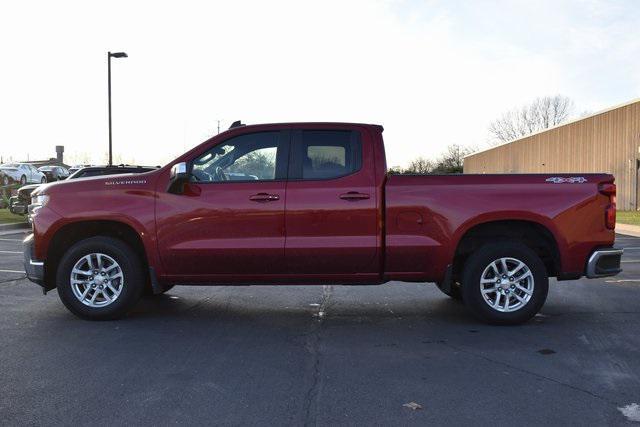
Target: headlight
[{"x": 37, "y": 202}]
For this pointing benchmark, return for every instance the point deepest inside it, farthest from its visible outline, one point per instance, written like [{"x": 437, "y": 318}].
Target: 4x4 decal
[{"x": 569, "y": 180}]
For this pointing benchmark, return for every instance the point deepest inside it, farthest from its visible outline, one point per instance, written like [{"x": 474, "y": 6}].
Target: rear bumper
[
  {"x": 604, "y": 262},
  {"x": 33, "y": 268}
]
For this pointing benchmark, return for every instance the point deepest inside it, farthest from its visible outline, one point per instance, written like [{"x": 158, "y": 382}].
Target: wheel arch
[
  {"x": 69, "y": 234},
  {"x": 533, "y": 234}
]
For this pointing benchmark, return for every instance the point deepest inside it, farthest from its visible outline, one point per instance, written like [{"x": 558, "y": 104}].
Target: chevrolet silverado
[{"x": 312, "y": 203}]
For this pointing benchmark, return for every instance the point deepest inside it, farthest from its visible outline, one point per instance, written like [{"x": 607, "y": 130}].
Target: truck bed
[{"x": 427, "y": 215}]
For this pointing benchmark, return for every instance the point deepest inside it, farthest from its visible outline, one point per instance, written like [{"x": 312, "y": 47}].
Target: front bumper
[
  {"x": 33, "y": 268},
  {"x": 604, "y": 262},
  {"x": 16, "y": 206}
]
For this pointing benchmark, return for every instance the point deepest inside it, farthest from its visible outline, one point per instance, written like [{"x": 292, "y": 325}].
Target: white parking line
[
  {"x": 12, "y": 233},
  {"x": 11, "y": 240},
  {"x": 631, "y": 260},
  {"x": 10, "y": 252},
  {"x": 622, "y": 280},
  {"x": 12, "y": 271}
]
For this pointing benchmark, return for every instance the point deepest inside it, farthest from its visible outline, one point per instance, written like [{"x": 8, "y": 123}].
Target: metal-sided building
[{"x": 608, "y": 141}]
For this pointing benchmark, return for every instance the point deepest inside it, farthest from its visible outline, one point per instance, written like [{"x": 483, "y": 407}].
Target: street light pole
[{"x": 109, "y": 56}]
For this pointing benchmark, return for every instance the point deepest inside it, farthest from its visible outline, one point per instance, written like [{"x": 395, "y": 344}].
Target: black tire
[
  {"x": 23, "y": 180},
  {"x": 454, "y": 292},
  {"x": 5, "y": 181},
  {"x": 481, "y": 259},
  {"x": 43, "y": 180},
  {"x": 131, "y": 268}
]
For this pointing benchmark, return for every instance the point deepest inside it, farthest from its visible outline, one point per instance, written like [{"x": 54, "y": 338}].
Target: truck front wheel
[
  {"x": 504, "y": 283},
  {"x": 100, "y": 278}
]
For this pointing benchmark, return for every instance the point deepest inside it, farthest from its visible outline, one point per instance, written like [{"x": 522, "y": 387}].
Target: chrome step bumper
[{"x": 604, "y": 262}]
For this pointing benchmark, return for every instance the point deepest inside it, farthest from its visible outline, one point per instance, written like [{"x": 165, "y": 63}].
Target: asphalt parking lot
[{"x": 320, "y": 356}]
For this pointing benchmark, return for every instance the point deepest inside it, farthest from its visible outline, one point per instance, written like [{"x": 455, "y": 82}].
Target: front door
[
  {"x": 229, "y": 221},
  {"x": 331, "y": 212}
]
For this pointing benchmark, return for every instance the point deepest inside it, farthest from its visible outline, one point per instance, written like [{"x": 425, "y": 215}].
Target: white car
[{"x": 24, "y": 173}]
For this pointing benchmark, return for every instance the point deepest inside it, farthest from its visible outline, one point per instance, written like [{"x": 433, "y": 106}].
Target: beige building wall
[{"x": 608, "y": 141}]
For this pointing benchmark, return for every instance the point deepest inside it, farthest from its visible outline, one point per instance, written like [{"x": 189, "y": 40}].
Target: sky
[{"x": 433, "y": 73}]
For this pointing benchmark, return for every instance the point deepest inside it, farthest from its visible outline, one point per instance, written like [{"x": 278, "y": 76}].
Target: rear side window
[{"x": 325, "y": 154}]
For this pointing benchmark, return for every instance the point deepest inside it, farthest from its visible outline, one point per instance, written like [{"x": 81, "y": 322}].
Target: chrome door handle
[
  {"x": 353, "y": 196},
  {"x": 264, "y": 197}
]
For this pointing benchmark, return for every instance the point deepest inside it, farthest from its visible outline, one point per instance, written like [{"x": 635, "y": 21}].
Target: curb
[
  {"x": 628, "y": 230},
  {"x": 14, "y": 226}
]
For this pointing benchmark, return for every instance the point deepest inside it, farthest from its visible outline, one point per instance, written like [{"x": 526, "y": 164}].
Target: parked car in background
[
  {"x": 24, "y": 173},
  {"x": 54, "y": 173},
  {"x": 76, "y": 168},
  {"x": 19, "y": 204}
]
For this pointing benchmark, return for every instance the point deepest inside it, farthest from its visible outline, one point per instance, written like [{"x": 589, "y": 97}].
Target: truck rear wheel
[
  {"x": 100, "y": 278},
  {"x": 504, "y": 283}
]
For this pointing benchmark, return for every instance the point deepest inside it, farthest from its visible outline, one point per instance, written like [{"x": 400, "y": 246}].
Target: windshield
[{"x": 45, "y": 168}]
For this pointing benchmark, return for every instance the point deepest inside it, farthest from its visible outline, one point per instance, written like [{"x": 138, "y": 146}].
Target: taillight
[{"x": 609, "y": 189}]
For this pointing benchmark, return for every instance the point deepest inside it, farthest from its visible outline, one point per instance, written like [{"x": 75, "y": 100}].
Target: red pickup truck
[{"x": 311, "y": 203}]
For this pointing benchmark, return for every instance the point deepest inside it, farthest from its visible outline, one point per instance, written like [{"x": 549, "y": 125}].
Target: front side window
[{"x": 251, "y": 157}]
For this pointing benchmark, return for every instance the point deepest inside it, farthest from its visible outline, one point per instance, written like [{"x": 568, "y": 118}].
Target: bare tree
[
  {"x": 452, "y": 160},
  {"x": 419, "y": 165},
  {"x": 541, "y": 114}
]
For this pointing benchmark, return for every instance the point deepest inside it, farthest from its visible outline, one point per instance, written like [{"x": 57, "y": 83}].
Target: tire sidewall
[
  {"x": 131, "y": 268},
  {"x": 23, "y": 180},
  {"x": 475, "y": 266}
]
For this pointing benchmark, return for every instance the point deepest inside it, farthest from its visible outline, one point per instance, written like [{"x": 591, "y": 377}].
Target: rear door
[{"x": 331, "y": 211}]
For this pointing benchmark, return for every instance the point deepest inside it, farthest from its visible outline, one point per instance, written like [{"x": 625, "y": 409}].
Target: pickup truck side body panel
[
  {"x": 124, "y": 199},
  {"x": 408, "y": 228},
  {"x": 428, "y": 215}
]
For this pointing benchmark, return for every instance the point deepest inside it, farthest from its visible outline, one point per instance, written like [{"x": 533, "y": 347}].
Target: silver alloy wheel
[
  {"x": 97, "y": 280},
  {"x": 507, "y": 284}
]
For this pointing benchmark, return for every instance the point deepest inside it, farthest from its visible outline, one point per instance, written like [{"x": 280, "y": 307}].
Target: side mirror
[{"x": 178, "y": 177}]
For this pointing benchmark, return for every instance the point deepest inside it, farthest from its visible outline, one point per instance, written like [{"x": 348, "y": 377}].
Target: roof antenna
[{"x": 236, "y": 124}]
